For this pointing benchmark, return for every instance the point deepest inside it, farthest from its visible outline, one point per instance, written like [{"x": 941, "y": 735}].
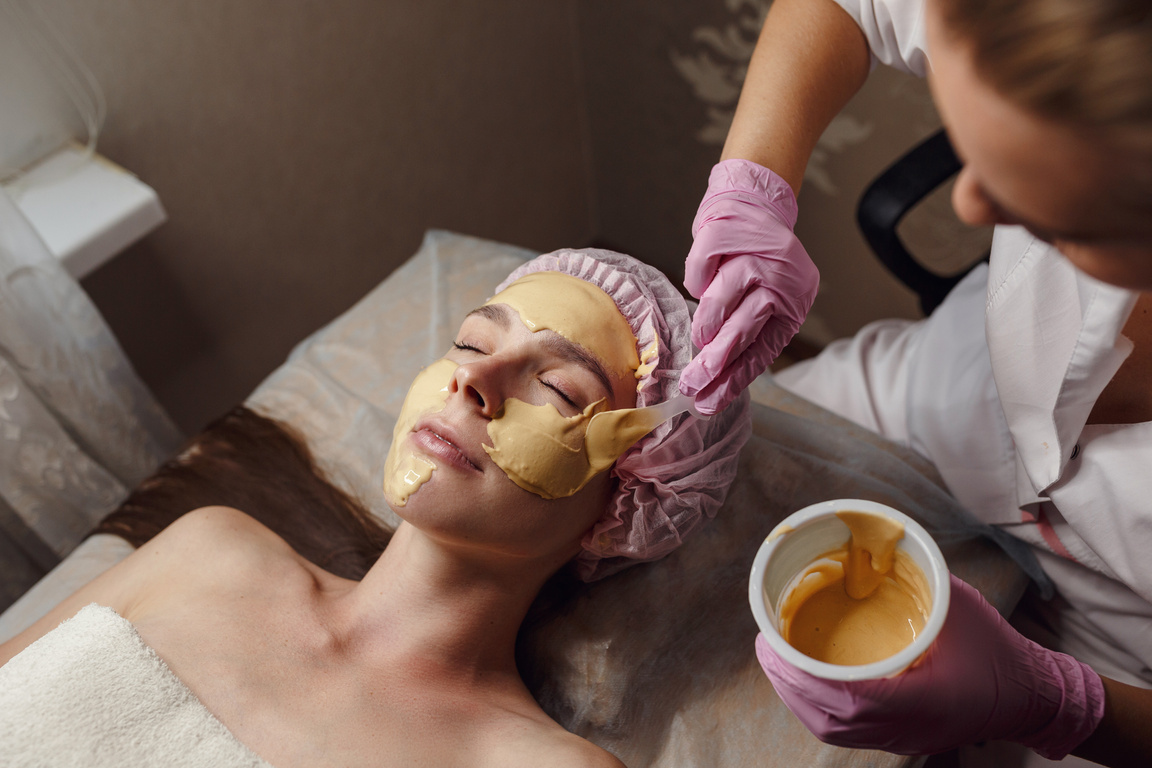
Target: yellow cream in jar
[{"x": 860, "y": 603}]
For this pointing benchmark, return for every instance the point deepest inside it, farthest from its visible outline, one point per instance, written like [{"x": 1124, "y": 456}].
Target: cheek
[
  {"x": 568, "y": 519},
  {"x": 555, "y": 457},
  {"x": 597, "y": 494},
  {"x": 540, "y": 450}
]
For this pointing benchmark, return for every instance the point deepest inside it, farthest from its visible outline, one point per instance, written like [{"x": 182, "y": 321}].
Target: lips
[{"x": 443, "y": 443}]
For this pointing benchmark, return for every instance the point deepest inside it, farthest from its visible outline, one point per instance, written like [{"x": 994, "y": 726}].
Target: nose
[
  {"x": 479, "y": 383},
  {"x": 971, "y": 203}
]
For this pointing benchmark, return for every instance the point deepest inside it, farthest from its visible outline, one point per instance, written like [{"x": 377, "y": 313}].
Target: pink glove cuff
[
  {"x": 744, "y": 179},
  {"x": 1077, "y": 693}
]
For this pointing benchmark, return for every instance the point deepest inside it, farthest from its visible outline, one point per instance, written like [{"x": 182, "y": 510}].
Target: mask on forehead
[
  {"x": 538, "y": 448},
  {"x": 578, "y": 311}
]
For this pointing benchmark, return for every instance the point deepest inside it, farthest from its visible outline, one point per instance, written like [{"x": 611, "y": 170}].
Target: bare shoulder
[
  {"x": 202, "y": 546},
  {"x": 217, "y": 525},
  {"x": 217, "y": 549}
]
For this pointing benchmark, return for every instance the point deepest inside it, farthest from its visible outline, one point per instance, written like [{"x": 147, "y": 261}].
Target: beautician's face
[
  {"x": 1051, "y": 178},
  {"x": 468, "y": 498}
]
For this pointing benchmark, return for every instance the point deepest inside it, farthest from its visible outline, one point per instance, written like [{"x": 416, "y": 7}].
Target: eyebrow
[
  {"x": 501, "y": 314},
  {"x": 569, "y": 352}
]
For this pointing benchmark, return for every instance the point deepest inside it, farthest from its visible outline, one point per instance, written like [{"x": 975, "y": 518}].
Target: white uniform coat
[{"x": 995, "y": 388}]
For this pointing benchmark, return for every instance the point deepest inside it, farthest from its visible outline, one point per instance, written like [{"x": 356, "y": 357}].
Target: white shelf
[{"x": 86, "y": 209}]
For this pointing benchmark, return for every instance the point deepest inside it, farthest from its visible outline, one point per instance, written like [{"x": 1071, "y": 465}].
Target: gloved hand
[
  {"x": 752, "y": 276},
  {"x": 980, "y": 680}
]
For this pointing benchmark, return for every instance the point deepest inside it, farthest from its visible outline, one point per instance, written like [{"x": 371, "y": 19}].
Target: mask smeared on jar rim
[{"x": 537, "y": 447}]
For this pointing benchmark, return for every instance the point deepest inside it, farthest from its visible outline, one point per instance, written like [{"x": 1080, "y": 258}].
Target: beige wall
[{"x": 301, "y": 148}]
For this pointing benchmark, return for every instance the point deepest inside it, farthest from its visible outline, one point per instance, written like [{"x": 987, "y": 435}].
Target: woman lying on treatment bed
[{"x": 414, "y": 664}]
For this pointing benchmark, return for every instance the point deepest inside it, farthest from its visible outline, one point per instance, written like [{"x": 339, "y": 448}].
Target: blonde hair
[{"x": 1087, "y": 63}]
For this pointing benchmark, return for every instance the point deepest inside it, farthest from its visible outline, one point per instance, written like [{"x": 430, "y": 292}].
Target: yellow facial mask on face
[
  {"x": 538, "y": 448},
  {"x": 578, "y": 311},
  {"x": 553, "y": 456}
]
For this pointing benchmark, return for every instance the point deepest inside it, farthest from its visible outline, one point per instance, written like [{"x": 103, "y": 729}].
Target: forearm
[
  {"x": 1122, "y": 738},
  {"x": 810, "y": 60}
]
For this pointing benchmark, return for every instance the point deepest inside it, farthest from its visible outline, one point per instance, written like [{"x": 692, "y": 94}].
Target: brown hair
[
  {"x": 259, "y": 466},
  {"x": 1087, "y": 63}
]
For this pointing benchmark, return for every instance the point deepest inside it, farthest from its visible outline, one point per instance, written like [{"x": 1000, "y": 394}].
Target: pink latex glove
[
  {"x": 980, "y": 680},
  {"x": 752, "y": 276}
]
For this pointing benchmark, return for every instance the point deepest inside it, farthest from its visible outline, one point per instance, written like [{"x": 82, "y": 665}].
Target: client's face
[{"x": 489, "y": 448}]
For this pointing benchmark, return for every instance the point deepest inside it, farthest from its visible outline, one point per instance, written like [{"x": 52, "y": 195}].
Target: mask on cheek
[
  {"x": 405, "y": 470},
  {"x": 539, "y": 449},
  {"x": 552, "y": 456}
]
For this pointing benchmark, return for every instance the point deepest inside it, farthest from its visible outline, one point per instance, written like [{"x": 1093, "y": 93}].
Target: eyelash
[{"x": 559, "y": 392}]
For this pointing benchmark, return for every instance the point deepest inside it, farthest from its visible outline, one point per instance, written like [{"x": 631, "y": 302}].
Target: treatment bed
[{"x": 656, "y": 664}]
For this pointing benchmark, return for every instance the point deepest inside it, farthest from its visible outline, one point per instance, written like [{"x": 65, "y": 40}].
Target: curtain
[{"x": 78, "y": 429}]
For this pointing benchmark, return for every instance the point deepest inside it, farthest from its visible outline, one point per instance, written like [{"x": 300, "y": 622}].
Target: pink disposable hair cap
[{"x": 676, "y": 477}]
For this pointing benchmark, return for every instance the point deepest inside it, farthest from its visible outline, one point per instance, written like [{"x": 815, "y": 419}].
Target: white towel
[{"x": 91, "y": 693}]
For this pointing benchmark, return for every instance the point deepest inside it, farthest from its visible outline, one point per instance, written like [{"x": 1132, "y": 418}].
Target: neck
[
  {"x": 1128, "y": 398},
  {"x": 444, "y": 610}
]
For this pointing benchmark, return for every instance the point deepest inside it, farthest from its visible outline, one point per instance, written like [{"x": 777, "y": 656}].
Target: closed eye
[
  {"x": 468, "y": 347},
  {"x": 561, "y": 393}
]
